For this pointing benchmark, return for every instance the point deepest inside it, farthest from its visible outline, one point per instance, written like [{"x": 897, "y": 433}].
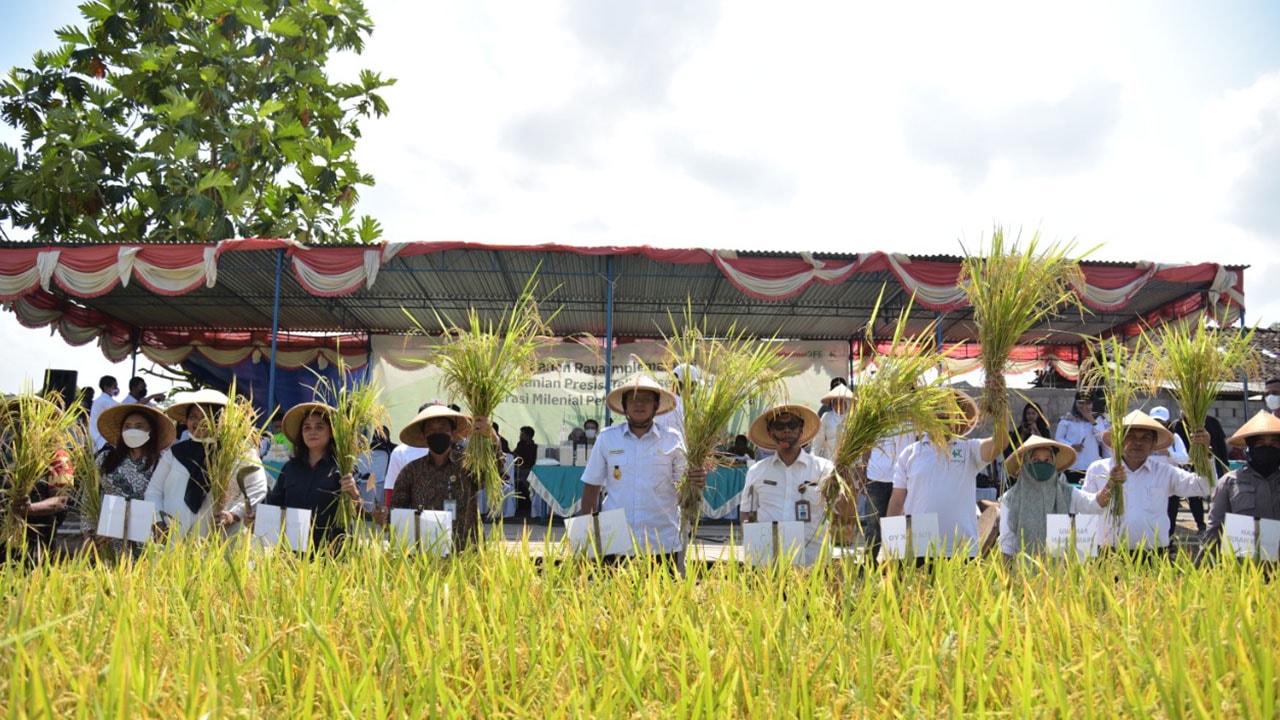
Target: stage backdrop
[{"x": 571, "y": 387}]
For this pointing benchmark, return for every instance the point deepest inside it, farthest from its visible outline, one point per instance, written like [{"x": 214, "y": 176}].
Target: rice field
[{"x": 198, "y": 630}]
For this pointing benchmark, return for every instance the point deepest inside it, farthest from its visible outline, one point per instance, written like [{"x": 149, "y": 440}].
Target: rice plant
[
  {"x": 726, "y": 374},
  {"x": 485, "y": 363},
  {"x": 37, "y": 436},
  {"x": 208, "y": 629},
  {"x": 1197, "y": 361},
  {"x": 1011, "y": 289},
  {"x": 232, "y": 444},
  {"x": 1122, "y": 373},
  {"x": 905, "y": 393}
]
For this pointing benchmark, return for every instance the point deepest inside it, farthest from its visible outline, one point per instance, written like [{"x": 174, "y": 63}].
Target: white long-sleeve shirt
[
  {"x": 1146, "y": 500},
  {"x": 168, "y": 488},
  {"x": 828, "y": 437},
  {"x": 1075, "y": 431}
]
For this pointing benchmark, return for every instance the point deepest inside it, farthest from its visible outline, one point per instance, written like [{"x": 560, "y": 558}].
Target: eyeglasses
[{"x": 790, "y": 425}]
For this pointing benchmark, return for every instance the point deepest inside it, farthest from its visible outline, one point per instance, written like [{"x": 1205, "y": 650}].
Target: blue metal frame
[
  {"x": 275, "y": 334},
  {"x": 608, "y": 334}
]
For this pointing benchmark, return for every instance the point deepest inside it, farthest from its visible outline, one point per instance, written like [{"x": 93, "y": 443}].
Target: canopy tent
[{"x": 241, "y": 301}]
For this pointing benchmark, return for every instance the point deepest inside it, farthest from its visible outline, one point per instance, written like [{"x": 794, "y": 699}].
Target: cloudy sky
[{"x": 1151, "y": 128}]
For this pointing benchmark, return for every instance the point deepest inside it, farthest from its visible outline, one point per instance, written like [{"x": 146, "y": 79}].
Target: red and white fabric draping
[
  {"x": 329, "y": 271},
  {"x": 79, "y": 325}
]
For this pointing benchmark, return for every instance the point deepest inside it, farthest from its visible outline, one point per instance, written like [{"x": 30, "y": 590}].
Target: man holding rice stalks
[
  {"x": 787, "y": 486},
  {"x": 440, "y": 480},
  {"x": 1253, "y": 490},
  {"x": 1148, "y": 483},
  {"x": 944, "y": 482},
  {"x": 639, "y": 464}
]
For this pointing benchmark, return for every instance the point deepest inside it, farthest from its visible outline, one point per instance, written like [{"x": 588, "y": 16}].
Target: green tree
[{"x": 191, "y": 121}]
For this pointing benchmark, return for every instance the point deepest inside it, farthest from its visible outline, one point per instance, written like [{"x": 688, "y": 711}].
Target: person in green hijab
[{"x": 1041, "y": 491}]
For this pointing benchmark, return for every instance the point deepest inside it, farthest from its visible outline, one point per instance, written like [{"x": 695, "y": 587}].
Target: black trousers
[
  {"x": 878, "y": 494},
  {"x": 1195, "y": 504}
]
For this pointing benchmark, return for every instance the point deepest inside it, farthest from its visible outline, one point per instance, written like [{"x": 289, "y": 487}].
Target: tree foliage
[{"x": 191, "y": 121}]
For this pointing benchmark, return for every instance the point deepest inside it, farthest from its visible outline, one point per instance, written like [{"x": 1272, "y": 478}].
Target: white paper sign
[
  {"x": 1058, "y": 535},
  {"x": 111, "y": 517},
  {"x": 297, "y": 528},
  {"x": 126, "y": 519},
  {"x": 767, "y": 542},
  {"x": 430, "y": 531},
  {"x": 267, "y": 524},
  {"x": 910, "y": 535},
  {"x": 1252, "y": 538},
  {"x": 435, "y": 532},
  {"x": 142, "y": 516},
  {"x": 614, "y": 536}
]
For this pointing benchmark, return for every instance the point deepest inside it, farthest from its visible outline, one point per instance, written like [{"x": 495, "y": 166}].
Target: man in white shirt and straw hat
[
  {"x": 1253, "y": 490},
  {"x": 640, "y": 464},
  {"x": 787, "y": 486},
  {"x": 1148, "y": 483}
]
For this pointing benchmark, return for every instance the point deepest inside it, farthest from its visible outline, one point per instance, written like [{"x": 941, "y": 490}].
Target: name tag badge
[
  {"x": 802, "y": 510},
  {"x": 451, "y": 507},
  {"x": 770, "y": 482}
]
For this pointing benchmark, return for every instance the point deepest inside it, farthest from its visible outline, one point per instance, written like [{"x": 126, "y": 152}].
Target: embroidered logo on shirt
[{"x": 957, "y": 455}]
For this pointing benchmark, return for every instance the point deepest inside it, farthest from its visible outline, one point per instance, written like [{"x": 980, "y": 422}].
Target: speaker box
[{"x": 62, "y": 382}]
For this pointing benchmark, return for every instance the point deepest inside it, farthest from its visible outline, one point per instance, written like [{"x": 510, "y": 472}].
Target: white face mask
[
  {"x": 591, "y": 433},
  {"x": 135, "y": 438},
  {"x": 1273, "y": 402}
]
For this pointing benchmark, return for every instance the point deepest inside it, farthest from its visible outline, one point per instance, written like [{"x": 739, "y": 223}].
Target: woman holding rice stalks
[
  {"x": 311, "y": 480},
  {"x": 37, "y": 475},
  {"x": 943, "y": 481},
  {"x": 136, "y": 435},
  {"x": 1146, "y": 483},
  {"x": 1041, "y": 490},
  {"x": 182, "y": 487}
]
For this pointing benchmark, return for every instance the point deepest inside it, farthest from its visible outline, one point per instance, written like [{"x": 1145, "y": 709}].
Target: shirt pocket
[
  {"x": 617, "y": 464},
  {"x": 1244, "y": 501},
  {"x": 1155, "y": 499}
]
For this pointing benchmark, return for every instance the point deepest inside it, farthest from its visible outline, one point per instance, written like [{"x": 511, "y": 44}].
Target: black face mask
[
  {"x": 439, "y": 443},
  {"x": 1264, "y": 459}
]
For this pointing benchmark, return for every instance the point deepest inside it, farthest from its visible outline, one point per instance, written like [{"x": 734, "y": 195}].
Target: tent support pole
[
  {"x": 608, "y": 333},
  {"x": 1244, "y": 379},
  {"x": 275, "y": 335}
]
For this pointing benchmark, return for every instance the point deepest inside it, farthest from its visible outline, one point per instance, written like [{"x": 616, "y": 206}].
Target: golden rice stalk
[
  {"x": 37, "y": 435},
  {"x": 734, "y": 371},
  {"x": 1197, "y": 360},
  {"x": 88, "y": 476},
  {"x": 1012, "y": 289},
  {"x": 1122, "y": 373},
  {"x": 485, "y": 363},
  {"x": 232, "y": 445},
  {"x": 906, "y": 393},
  {"x": 358, "y": 415}
]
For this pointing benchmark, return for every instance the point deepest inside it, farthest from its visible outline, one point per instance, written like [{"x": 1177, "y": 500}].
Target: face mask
[
  {"x": 1264, "y": 459},
  {"x": 591, "y": 433},
  {"x": 1042, "y": 471},
  {"x": 135, "y": 438},
  {"x": 439, "y": 443},
  {"x": 114, "y": 392},
  {"x": 1273, "y": 402}
]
